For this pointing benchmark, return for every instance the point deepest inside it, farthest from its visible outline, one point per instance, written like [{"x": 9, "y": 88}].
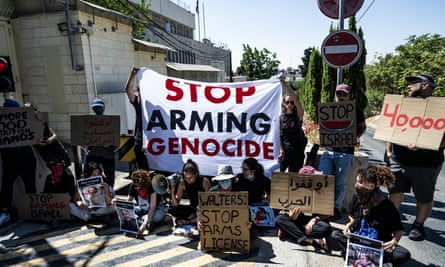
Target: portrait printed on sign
[
  {"x": 363, "y": 251},
  {"x": 92, "y": 192},
  {"x": 262, "y": 216},
  {"x": 127, "y": 217}
]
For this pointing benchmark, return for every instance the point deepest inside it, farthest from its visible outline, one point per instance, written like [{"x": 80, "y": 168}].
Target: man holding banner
[{"x": 414, "y": 167}]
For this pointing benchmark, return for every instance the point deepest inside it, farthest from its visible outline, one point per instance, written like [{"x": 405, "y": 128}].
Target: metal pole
[{"x": 342, "y": 26}]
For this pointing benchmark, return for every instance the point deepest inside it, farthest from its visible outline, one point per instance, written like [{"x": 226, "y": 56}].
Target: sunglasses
[{"x": 289, "y": 103}]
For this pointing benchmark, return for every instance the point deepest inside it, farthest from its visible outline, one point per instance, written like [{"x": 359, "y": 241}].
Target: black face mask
[{"x": 364, "y": 195}]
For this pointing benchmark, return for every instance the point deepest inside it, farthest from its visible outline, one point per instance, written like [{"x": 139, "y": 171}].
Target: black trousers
[{"x": 295, "y": 229}]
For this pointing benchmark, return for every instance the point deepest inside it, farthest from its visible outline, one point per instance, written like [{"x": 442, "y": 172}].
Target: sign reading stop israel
[{"x": 341, "y": 49}]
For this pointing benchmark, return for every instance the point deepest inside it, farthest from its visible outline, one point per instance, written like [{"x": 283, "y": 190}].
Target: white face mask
[
  {"x": 249, "y": 177},
  {"x": 225, "y": 184}
]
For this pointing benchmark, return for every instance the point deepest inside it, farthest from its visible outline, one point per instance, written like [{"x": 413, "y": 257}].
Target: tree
[
  {"x": 135, "y": 10},
  {"x": 420, "y": 54},
  {"x": 256, "y": 64},
  {"x": 310, "y": 95},
  {"x": 305, "y": 59}
]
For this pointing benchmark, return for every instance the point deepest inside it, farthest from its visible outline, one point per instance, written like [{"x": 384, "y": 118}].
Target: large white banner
[{"x": 210, "y": 123}]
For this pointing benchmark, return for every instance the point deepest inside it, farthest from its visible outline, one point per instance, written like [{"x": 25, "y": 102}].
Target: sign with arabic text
[
  {"x": 313, "y": 193},
  {"x": 95, "y": 130}
]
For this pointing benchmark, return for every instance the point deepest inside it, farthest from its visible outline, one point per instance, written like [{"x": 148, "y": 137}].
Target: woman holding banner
[{"x": 293, "y": 141}]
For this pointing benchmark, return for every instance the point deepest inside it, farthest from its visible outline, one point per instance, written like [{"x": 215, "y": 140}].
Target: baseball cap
[
  {"x": 343, "y": 87},
  {"x": 421, "y": 78}
]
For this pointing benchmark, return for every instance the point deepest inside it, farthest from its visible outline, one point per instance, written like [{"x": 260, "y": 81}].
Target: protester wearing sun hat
[
  {"x": 414, "y": 167},
  {"x": 338, "y": 161},
  {"x": 225, "y": 179}
]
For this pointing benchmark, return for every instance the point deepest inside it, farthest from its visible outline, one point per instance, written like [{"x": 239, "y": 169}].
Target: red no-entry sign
[{"x": 341, "y": 49}]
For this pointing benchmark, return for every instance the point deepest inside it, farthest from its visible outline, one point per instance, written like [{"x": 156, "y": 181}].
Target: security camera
[{"x": 86, "y": 28}]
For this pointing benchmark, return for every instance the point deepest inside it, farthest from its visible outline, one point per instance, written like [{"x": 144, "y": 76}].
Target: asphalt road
[{"x": 95, "y": 244}]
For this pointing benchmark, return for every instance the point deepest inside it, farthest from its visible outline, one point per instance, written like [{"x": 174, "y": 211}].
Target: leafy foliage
[
  {"x": 258, "y": 64},
  {"x": 305, "y": 59},
  {"x": 420, "y": 54},
  {"x": 310, "y": 95},
  {"x": 135, "y": 10}
]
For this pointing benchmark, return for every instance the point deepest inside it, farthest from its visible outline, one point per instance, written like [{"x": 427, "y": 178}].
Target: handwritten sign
[
  {"x": 312, "y": 193},
  {"x": 44, "y": 207},
  {"x": 412, "y": 121},
  {"x": 337, "y": 123},
  {"x": 95, "y": 130},
  {"x": 20, "y": 127},
  {"x": 225, "y": 217}
]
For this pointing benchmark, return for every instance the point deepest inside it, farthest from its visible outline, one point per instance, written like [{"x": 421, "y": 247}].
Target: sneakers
[
  {"x": 4, "y": 218},
  {"x": 417, "y": 232}
]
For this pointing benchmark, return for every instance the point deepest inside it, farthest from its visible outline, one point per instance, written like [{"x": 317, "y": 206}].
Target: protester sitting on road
[
  {"x": 252, "y": 180},
  {"x": 226, "y": 180},
  {"x": 191, "y": 184},
  {"x": 373, "y": 215},
  {"x": 93, "y": 169},
  {"x": 302, "y": 228},
  {"x": 150, "y": 207},
  {"x": 103, "y": 155},
  {"x": 61, "y": 180}
]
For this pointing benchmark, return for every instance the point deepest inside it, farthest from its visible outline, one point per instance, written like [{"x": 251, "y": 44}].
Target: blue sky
[{"x": 288, "y": 27}]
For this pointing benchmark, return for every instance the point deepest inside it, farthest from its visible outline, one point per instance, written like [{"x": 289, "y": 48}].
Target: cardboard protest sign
[
  {"x": 20, "y": 127},
  {"x": 362, "y": 251},
  {"x": 225, "y": 218},
  {"x": 337, "y": 124},
  {"x": 313, "y": 193},
  {"x": 127, "y": 217},
  {"x": 44, "y": 207},
  {"x": 412, "y": 121},
  {"x": 92, "y": 192},
  {"x": 210, "y": 123},
  {"x": 95, "y": 130}
]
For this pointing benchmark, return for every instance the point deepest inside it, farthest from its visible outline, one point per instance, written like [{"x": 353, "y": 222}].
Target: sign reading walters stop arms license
[
  {"x": 313, "y": 193},
  {"x": 225, "y": 218}
]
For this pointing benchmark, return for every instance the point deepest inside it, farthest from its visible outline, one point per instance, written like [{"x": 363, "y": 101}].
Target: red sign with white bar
[{"x": 341, "y": 49}]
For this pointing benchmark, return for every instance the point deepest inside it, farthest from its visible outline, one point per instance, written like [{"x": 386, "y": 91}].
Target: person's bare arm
[
  {"x": 130, "y": 84},
  {"x": 288, "y": 91}
]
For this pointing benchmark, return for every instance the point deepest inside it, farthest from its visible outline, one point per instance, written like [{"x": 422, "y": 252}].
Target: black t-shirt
[
  {"x": 419, "y": 157},
  {"x": 384, "y": 218},
  {"x": 67, "y": 185},
  {"x": 193, "y": 190},
  {"x": 255, "y": 188},
  {"x": 291, "y": 134}
]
